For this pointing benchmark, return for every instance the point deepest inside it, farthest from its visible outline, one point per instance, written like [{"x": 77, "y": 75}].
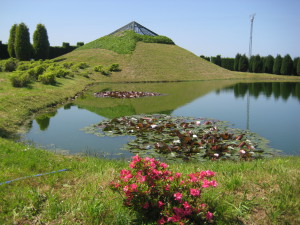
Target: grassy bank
[{"x": 258, "y": 192}]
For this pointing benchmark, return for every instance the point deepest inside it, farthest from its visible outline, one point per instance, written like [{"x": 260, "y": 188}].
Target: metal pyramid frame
[{"x": 137, "y": 28}]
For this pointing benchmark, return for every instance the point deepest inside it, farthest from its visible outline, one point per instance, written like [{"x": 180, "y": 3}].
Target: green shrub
[
  {"x": 115, "y": 67},
  {"x": 10, "y": 65},
  {"x": 67, "y": 65},
  {"x": 61, "y": 72},
  {"x": 98, "y": 68},
  {"x": 47, "y": 78},
  {"x": 19, "y": 79},
  {"x": 23, "y": 67},
  {"x": 82, "y": 65},
  {"x": 40, "y": 69}
]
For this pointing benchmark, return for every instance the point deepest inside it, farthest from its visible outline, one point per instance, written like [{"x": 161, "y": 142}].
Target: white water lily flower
[
  {"x": 195, "y": 136},
  {"x": 242, "y": 151},
  {"x": 153, "y": 125},
  {"x": 216, "y": 154},
  {"x": 176, "y": 141},
  {"x": 198, "y": 122}
]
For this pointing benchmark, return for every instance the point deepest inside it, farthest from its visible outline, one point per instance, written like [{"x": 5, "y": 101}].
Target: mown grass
[{"x": 257, "y": 192}]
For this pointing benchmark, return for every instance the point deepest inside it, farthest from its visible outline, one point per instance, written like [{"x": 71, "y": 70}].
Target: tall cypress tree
[
  {"x": 11, "y": 41},
  {"x": 251, "y": 63},
  {"x": 23, "y": 47},
  {"x": 257, "y": 64},
  {"x": 287, "y": 65},
  {"x": 295, "y": 64},
  {"x": 236, "y": 62},
  {"x": 243, "y": 63},
  {"x": 40, "y": 42},
  {"x": 277, "y": 65},
  {"x": 298, "y": 68},
  {"x": 268, "y": 64}
]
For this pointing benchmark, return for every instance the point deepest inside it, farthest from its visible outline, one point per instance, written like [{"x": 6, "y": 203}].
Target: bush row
[
  {"x": 257, "y": 64},
  {"x": 46, "y": 72}
]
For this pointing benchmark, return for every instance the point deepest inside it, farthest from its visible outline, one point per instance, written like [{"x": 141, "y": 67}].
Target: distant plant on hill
[
  {"x": 277, "y": 65},
  {"x": 243, "y": 63},
  {"x": 11, "y": 41},
  {"x": 236, "y": 62},
  {"x": 115, "y": 67},
  {"x": 40, "y": 42},
  {"x": 268, "y": 64},
  {"x": 287, "y": 65},
  {"x": 23, "y": 48}
]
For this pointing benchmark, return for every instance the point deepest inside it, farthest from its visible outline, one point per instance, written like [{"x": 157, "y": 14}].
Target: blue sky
[{"x": 208, "y": 27}]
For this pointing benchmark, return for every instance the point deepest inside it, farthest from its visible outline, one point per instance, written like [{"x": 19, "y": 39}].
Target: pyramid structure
[{"x": 137, "y": 28}]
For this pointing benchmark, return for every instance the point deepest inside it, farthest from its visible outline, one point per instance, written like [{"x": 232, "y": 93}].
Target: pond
[{"x": 269, "y": 109}]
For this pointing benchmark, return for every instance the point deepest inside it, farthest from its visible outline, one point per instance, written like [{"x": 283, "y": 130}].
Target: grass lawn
[{"x": 258, "y": 192}]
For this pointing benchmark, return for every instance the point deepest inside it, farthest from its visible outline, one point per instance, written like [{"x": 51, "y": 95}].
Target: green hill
[{"x": 144, "y": 58}]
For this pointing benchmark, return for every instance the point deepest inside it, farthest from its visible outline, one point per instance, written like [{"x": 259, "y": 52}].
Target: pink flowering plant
[{"x": 157, "y": 194}]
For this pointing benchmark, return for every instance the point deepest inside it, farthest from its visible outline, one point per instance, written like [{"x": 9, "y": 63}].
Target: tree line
[
  {"x": 19, "y": 45},
  {"x": 257, "y": 64}
]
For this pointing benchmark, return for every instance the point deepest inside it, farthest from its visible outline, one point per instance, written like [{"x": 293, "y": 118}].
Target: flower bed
[{"x": 158, "y": 194}]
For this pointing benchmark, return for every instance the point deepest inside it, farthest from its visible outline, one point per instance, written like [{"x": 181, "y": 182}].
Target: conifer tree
[
  {"x": 298, "y": 68},
  {"x": 277, "y": 65},
  {"x": 243, "y": 63},
  {"x": 257, "y": 65},
  {"x": 236, "y": 62},
  {"x": 251, "y": 63},
  {"x": 268, "y": 64},
  {"x": 295, "y": 64},
  {"x": 11, "y": 41},
  {"x": 286, "y": 65},
  {"x": 40, "y": 42},
  {"x": 23, "y": 47}
]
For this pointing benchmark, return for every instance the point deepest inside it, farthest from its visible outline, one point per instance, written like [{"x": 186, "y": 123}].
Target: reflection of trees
[
  {"x": 44, "y": 120},
  {"x": 277, "y": 89}
]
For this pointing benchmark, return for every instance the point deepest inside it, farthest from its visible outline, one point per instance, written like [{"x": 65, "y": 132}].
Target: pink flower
[
  {"x": 146, "y": 205},
  {"x": 174, "y": 219},
  {"x": 186, "y": 205},
  {"x": 209, "y": 215},
  {"x": 164, "y": 165},
  {"x": 161, "y": 221},
  {"x": 133, "y": 187},
  {"x": 160, "y": 204},
  {"x": 167, "y": 187},
  {"x": 179, "y": 212},
  {"x": 206, "y": 183},
  {"x": 177, "y": 175},
  {"x": 209, "y": 173},
  {"x": 178, "y": 196},
  {"x": 194, "y": 192},
  {"x": 213, "y": 183},
  {"x": 193, "y": 178}
]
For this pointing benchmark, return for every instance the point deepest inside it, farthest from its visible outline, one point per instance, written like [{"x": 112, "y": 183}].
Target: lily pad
[{"x": 184, "y": 137}]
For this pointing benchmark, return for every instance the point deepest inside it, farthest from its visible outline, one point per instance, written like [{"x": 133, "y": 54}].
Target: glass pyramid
[{"x": 137, "y": 28}]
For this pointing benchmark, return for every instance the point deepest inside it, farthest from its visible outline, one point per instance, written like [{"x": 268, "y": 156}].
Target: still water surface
[{"x": 270, "y": 109}]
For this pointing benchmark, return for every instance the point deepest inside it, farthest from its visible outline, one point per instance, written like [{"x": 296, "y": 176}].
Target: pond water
[{"x": 270, "y": 109}]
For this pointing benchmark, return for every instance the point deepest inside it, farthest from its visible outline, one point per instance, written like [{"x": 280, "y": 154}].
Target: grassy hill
[{"x": 144, "y": 58}]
